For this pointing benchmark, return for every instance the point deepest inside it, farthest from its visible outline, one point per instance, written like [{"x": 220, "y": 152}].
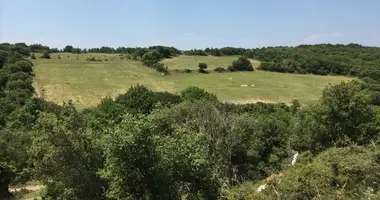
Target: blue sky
[{"x": 189, "y": 24}]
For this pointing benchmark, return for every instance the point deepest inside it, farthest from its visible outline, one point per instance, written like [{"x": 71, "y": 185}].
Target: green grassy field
[
  {"x": 191, "y": 62},
  {"x": 86, "y": 82}
]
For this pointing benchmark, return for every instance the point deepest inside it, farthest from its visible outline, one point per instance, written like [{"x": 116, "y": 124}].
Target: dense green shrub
[
  {"x": 26, "y": 66},
  {"x": 138, "y": 98},
  {"x": 196, "y": 94},
  {"x": 219, "y": 69},
  {"x": 76, "y": 51},
  {"x": 15, "y": 90},
  {"x": 344, "y": 116},
  {"x": 152, "y": 56},
  {"x": 337, "y": 173},
  {"x": 346, "y": 173},
  {"x": 140, "y": 163},
  {"x": 13, "y": 57},
  {"x": 21, "y": 48},
  {"x": 105, "y": 115},
  {"x": 204, "y": 119},
  {"x": 202, "y": 68},
  {"x": 166, "y": 98},
  {"x": 241, "y": 64},
  {"x": 33, "y": 56},
  {"x": 45, "y": 55},
  {"x": 64, "y": 136},
  {"x": 159, "y": 67},
  {"x": 264, "y": 149}
]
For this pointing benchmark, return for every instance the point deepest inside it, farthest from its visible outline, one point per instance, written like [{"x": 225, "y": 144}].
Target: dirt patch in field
[{"x": 28, "y": 187}]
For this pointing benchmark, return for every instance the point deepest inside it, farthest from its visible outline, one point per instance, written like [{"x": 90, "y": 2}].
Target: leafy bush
[
  {"x": 159, "y": 67},
  {"x": 26, "y": 66},
  {"x": 166, "y": 98},
  {"x": 219, "y": 69},
  {"x": 187, "y": 71},
  {"x": 45, "y": 55},
  {"x": 272, "y": 66},
  {"x": 337, "y": 173},
  {"x": 138, "y": 98},
  {"x": 21, "y": 48},
  {"x": 33, "y": 56},
  {"x": 13, "y": 68},
  {"x": 149, "y": 63},
  {"x": 196, "y": 94},
  {"x": 151, "y": 57},
  {"x": 140, "y": 163},
  {"x": 375, "y": 98},
  {"x": 241, "y": 64},
  {"x": 105, "y": 115},
  {"x": 202, "y": 67},
  {"x": 200, "y": 70},
  {"x": 344, "y": 116},
  {"x": 62, "y": 136},
  {"x": 18, "y": 84},
  {"x": 13, "y": 57},
  {"x": 76, "y": 51},
  {"x": 264, "y": 149}
]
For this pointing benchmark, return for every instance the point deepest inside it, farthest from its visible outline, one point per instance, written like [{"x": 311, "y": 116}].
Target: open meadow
[
  {"x": 72, "y": 77},
  {"x": 191, "y": 62}
]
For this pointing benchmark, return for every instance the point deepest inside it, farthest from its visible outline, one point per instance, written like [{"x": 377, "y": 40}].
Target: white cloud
[{"x": 322, "y": 38}]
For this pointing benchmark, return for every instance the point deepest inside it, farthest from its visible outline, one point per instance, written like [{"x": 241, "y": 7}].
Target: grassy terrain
[
  {"x": 191, "y": 62},
  {"x": 86, "y": 82}
]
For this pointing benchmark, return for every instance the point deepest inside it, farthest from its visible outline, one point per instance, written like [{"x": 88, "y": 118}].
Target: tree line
[
  {"x": 321, "y": 59},
  {"x": 158, "y": 145}
]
